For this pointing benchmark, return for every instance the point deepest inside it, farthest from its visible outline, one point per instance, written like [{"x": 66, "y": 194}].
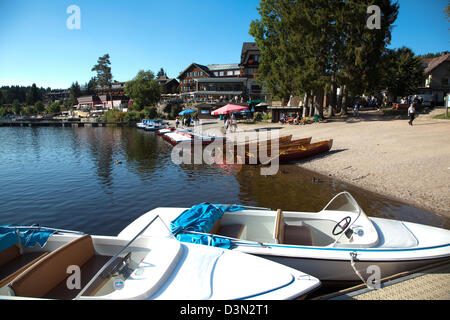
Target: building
[
  {"x": 103, "y": 102},
  {"x": 213, "y": 82},
  {"x": 57, "y": 95},
  {"x": 437, "y": 78},
  {"x": 168, "y": 86},
  {"x": 250, "y": 57}
]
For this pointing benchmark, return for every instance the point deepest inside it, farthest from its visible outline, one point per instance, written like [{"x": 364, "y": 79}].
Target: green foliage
[
  {"x": 175, "y": 110},
  {"x": 39, "y": 107},
  {"x": 75, "y": 92},
  {"x": 150, "y": 113},
  {"x": 258, "y": 116},
  {"x": 53, "y": 108},
  {"x": 114, "y": 116},
  {"x": 402, "y": 72},
  {"x": 16, "y": 107},
  {"x": 33, "y": 95},
  {"x": 306, "y": 45},
  {"x": 103, "y": 69},
  {"x": 144, "y": 89},
  {"x": 132, "y": 116}
]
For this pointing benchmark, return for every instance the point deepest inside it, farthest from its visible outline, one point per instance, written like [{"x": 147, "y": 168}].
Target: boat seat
[
  {"x": 232, "y": 231},
  {"x": 51, "y": 270},
  {"x": 291, "y": 234},
  {"x": 297, "y": 235},
  {"x": 12, "y": 263},
  {"x": 279, "y": 227}
]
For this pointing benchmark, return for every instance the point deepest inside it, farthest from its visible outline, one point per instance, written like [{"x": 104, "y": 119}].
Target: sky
[{"x": 36, "y": 46}]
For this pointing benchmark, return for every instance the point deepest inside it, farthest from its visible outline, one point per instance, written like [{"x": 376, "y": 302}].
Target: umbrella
[
  {"x": 182, "y": 113},
  {"x": 229, "y": 108}
]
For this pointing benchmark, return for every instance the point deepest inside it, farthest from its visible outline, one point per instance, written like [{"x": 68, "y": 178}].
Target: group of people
[
  {"x": 294, "y": 118},
  {"x": 409, "y": 100},
  {"x": 186, "y": 121}
]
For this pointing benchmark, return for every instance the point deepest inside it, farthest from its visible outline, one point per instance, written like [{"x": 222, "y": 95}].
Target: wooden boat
[
  {"x": 68, "y": 265},
  {"x": 338, "y": 243},
  {"x": 288, "y": 153}
]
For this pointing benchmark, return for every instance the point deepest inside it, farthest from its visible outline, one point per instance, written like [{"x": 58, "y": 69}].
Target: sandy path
[{"x": 383, "y": 155}]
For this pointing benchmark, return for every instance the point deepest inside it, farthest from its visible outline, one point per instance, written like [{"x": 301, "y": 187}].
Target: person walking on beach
[
  {"x": 411, "y": 114},
  {"x": 233, "y": 123},
  {"x": 356, "y": 109}
]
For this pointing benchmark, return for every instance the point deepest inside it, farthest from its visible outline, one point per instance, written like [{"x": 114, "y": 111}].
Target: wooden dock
[
  {"x": 55, "y": 123},
  {"x": 427, "y": 283}
]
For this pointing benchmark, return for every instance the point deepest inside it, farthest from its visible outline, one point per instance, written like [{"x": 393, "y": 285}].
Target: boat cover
[
  {"x": 201, "y": 218},
  {"x": 29, "y": 237}
]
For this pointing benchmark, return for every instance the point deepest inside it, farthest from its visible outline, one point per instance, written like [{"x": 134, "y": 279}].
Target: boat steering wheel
[{"x": 347, "y": 221}]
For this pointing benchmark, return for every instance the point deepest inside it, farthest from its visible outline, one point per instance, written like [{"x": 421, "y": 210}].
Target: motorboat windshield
[{"x": 125, "y": 264}]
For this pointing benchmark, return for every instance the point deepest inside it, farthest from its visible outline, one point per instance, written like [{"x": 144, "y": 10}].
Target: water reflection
[{"x": 69, "y": 178}]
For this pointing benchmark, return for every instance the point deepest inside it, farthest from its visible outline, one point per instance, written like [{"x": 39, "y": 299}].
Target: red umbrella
[{"x": 229, "y": 108}]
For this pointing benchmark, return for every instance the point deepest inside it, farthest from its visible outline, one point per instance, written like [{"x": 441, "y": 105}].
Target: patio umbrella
[
  {"x": 184, "y": 112},
  {"x": 229, "y": 108}
]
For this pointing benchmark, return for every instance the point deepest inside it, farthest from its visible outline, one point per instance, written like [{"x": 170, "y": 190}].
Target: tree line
[{"x": 310, "y": 48}]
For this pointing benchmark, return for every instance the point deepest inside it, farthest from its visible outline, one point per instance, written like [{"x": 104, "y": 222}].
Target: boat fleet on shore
[{"x": 216, "y": 252}]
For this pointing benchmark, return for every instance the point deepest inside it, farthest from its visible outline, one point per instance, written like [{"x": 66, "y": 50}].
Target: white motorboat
[
  {"x": 339, "y": 243},
  {"x": 72, "y": 265},
  {"x": 150, "y": 125}
]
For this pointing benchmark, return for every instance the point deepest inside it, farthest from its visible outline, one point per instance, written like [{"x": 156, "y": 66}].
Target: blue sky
[{"x": 37, "y": 47}]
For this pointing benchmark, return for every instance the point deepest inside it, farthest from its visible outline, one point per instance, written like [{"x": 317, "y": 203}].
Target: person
[
  {"x": 233, "y": 123},
  {"x": 283, "y": 118},
  {"x": 177, "y": 122},
  {"x": 227, "y": 123},
  {"x": 411, "y": 114},
  {"x": 356, "y": 109}
]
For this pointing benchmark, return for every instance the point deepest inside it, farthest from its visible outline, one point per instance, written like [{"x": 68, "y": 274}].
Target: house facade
[{"x": 437, "y": 78}]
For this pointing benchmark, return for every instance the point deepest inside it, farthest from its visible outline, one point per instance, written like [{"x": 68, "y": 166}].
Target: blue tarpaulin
[
  {"x": 29, "y": 237},
  {"x": 201, "y": 218}
]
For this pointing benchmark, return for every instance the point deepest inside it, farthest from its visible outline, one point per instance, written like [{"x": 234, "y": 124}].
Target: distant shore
[{"x": 383, "y": 155}]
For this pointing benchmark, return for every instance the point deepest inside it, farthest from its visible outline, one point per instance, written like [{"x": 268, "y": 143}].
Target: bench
[
  {"x": 47, "y": 277},
  {"x": 13, "y": 263},
  {"x": 290, "y": 234},
  {"x": 234, "y": 231}
]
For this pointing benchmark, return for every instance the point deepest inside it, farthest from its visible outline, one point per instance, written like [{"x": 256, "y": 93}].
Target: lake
[{"x": 98, "y": 180}]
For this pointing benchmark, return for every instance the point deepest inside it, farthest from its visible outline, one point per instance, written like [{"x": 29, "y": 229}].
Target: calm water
[{"x": 68, "y": 178}]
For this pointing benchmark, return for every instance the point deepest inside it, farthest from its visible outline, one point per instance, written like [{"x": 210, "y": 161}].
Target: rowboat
[
  {"x": 339, "y": 243},
  {"x": 60, "y": 264}
]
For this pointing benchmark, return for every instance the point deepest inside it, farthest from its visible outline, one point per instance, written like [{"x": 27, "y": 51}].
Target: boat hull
[{"x": 342, "y": 271}]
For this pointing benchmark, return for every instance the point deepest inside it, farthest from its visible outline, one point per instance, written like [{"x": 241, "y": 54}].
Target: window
[
  {"x": 229, "y": 73},
  {"x": 216, "y": 73},
  {"x": 237, "y": 72},
  {"x": 222, "y": 73}
]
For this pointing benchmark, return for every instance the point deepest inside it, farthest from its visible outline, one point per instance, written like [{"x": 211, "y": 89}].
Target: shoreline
[{"x": 380, "y": 154}]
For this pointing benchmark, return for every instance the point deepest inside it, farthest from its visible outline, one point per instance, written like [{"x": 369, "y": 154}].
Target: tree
[
  {"x": 89, "y": 87},
  {"x": 309, "y": 46},
  {"x": 144, "y": 89},
  {"x": 75, "y": 92},
  {"x": 161, "y": 73},
  {"x": 402, "y": 72},
  {"x": 33, "y": 95},
  {"x": 16, "y": 107},
  {"x": 104, "y": 75},
  {"x": 39, "y": 107}
]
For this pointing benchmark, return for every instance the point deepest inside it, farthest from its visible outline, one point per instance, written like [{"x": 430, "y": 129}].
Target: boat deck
[{"x": 429, "y": 283}]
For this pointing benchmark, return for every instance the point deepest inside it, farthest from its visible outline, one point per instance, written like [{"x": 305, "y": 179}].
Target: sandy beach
[{"x": 383, "y": 155}]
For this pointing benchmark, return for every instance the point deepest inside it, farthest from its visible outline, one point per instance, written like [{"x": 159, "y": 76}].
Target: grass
[
  {"x": 393, "y": 112},
  {"x": 442, "y": 116}
]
